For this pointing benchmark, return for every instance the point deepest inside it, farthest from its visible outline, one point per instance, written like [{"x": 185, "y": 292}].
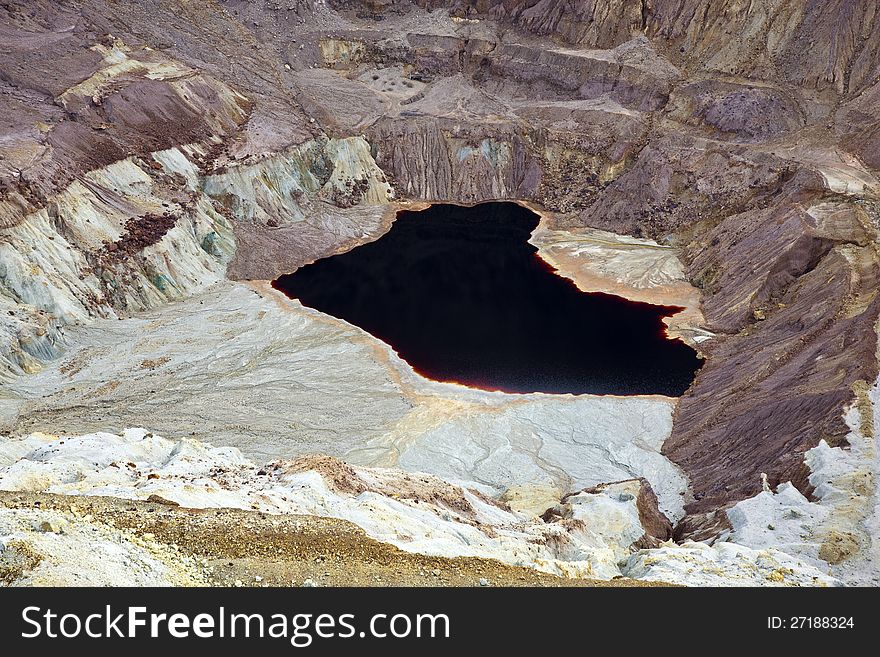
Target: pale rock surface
[
  {"x": 52, "y": 267},
  {"x": 785, "y": 520},
  {"x": 634, "y": 268},
  {"x": 723, "y": 564},
  {"x": 840, "y": 526},
  {"x": 49, "y": 548},
  {"x": 544, "y": 440},
  {"x": 416, "y": 512},
  {"x": 57, "y": 269}
]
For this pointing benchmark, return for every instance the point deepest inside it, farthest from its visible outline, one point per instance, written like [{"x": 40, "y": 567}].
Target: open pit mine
[{"x": 401, "y": 292}]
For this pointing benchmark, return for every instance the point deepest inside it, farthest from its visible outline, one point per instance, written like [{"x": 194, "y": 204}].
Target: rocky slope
[
  {"x": 152, "y": 150},
  {"x": 604, "y": 531},
  {"x": 222, "y": 547}
]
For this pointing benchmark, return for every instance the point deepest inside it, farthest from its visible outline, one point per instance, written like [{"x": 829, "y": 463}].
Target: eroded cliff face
[
  {"x": 140, "y": 232},
  {"x": 108, "y": 207},
  {"x": 828, "y": 45},
  {"x": 154, "y": 149}
]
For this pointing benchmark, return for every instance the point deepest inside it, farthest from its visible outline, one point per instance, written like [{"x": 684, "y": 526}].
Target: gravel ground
[{"x": 245, "y": 548}]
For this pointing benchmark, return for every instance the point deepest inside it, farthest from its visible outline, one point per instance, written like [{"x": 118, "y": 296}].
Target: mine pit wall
[
  {"x": 443, "y": 160},
  {"x": 100, "y": 211},
  {"x": 788, "y": 272},
  {"x": 793, "y": 300},
  {"x": 291, "y": 208},
  {"x": 782, "y": 368},
  {"x": 715, "y": 36},
  {"x": 139, "y": 233},
  {"x": 116, "y": 244},
  {"x": 788, "y": 287}
]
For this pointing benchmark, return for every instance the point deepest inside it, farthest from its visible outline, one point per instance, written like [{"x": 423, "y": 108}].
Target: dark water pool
[{"x": 462, "y": 296}]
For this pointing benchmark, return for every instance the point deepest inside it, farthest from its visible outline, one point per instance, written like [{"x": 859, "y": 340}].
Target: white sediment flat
[{"x": 244, "y": 366}]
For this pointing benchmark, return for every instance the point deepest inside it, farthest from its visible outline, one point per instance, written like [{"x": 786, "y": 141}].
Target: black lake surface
[{"x": 461, "y": 295}]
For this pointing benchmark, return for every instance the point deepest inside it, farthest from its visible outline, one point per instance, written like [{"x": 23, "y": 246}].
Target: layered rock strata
[{"x": 152, "y": 150}]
